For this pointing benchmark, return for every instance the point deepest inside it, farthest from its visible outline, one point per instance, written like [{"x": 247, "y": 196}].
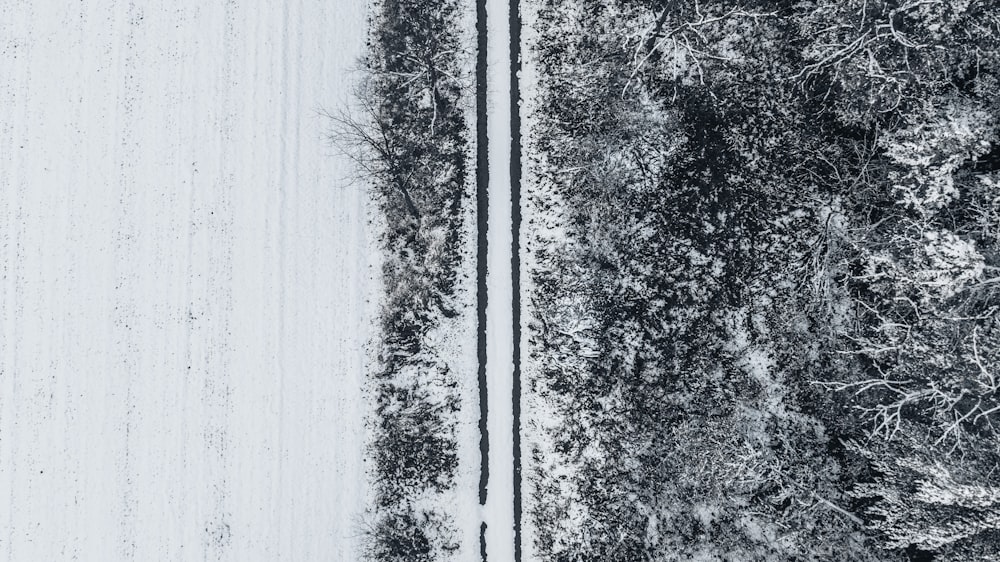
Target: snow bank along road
[{"x": 182, "y": 282}]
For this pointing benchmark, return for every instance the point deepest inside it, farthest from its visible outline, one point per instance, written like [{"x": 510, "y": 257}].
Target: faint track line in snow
[{"x": 127, "y": 283}]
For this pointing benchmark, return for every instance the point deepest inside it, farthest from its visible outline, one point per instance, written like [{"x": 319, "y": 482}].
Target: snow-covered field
[{"x": 183, "y": 282}]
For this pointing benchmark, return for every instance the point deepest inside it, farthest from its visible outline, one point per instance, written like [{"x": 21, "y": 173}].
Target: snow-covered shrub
[
  {"x": 922, "y": 498},
  {"x": 950, "y": 264},
  {"x": 932, "y": 148}
]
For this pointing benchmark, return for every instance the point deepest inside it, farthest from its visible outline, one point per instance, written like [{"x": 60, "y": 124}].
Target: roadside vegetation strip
[
  {"x": 760, "y": 291},
  {"x": 411, "y": 140}
]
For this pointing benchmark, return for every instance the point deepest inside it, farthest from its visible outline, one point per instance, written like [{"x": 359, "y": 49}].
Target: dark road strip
[
  {"x": 482, "y": 215},
  {"x": 515, "y": 261}
]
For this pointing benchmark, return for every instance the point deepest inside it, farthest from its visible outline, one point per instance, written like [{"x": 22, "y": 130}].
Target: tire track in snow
[
  {"x": 482, "y": 227},
  {"x": 515, "y": 256}
]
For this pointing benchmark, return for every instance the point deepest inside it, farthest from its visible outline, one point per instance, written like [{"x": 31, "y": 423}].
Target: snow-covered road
[
  {"x": 499, "y": 508},
  {"x": 183, "y": 282}
]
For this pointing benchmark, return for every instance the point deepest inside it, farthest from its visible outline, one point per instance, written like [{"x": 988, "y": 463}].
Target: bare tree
[{"x": 366, "y": 137}]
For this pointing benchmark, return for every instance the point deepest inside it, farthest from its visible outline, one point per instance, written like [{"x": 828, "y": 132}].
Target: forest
[{"x": 762, "y": 241}]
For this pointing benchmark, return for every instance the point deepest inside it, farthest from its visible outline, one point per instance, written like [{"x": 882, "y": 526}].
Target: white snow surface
[{"x": 184, "y": 282}]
